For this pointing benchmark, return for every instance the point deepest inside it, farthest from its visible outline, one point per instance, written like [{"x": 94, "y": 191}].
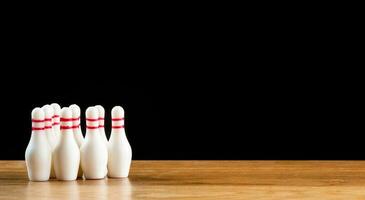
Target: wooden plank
[{"x": 200, "y": 180}]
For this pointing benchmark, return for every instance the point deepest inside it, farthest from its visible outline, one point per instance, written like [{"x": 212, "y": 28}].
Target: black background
[
  {"x": 206, "y": 89},
  {"x": 258, "y": 115}
]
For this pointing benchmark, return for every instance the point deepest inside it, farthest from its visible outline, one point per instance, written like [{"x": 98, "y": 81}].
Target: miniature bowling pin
[
  {"x": 101, "y": 112},
  {"x": 120, "y": 152},
  {"x": 48, "y": 111},
  {"x": 38, "y": 155},
  {"x": 77, "y": 130},
  {"x": 94, "y": 153},
  {"x": 66, "y": 154}
]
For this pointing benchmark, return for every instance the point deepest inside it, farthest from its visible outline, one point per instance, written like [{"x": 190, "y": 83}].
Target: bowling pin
[
  {"x": 66, "y": 154},
  {"x": 77, "y": 130},
  {"x": 48, "y": 111},
  {"x": 56, "y": 120},
  {"x": 94, "y": 153},
  {"x": 38, "y": 155},
  {"x": 101, "y": 112},
  {"x": 120, "y": 152}
]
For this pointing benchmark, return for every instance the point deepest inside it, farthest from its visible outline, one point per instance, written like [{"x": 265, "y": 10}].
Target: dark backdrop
[
  {"x": 210, "y": 87},
  {"x": 211, "y": 114}
]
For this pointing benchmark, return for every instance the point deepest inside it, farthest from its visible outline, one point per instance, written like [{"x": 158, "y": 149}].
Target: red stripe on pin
[
  {"x": 37, "y": 120},
  {"x": 76, "y": 126},
  {"x": 66, "y": 119},
  {"x": 37, "y": 128},
  {"x": 101, "y": 126},
  {"x": 101, "y": 118},
  {"x": 92, "y": 127},
  {"x": 66, "y": 127},
  {"x": 48, "y": 119},
  {"x": 117, "y": 119},
  {"x": 54, "y": 116},
  {"x": 74, "y": 119},
  {"x": 47, "y": 127},
  {"x": 56, "y": 123},
  {"x": 116, "y": 127},
  {"x": 92, "y": 120}
]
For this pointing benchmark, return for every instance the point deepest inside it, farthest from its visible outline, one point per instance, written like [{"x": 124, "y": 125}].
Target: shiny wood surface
[{"x": 227, "y": 180}]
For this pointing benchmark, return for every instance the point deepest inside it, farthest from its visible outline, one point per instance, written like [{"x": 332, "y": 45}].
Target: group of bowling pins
[{"x": 58, "y": 149}]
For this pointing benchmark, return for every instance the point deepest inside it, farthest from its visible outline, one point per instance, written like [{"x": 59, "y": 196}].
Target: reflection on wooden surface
[
  {"x": 80, "y": 189},
  {"x": 200, "y": 180}
]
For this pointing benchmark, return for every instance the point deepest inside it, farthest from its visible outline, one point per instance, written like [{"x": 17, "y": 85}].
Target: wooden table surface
[{"x": 227, "y": 180}]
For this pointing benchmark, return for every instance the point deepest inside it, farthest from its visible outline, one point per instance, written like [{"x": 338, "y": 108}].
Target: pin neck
[
  {"x": 38, "y": 125},
  {"x": 38, "y": 129},
  {"x": 66, "y": 132},
  {"x": 66, "y": 122},
  {"x": 92, "y": 129},
  {"x": 76, "y": 126},
  {"x": 117, "y": 118},
  {"x": 76, "y": 122},
  {"x": 118, "y": 124},
  {"x": 101, "y": 119},
  {"x": 118, "y": 135},
  {"x": 66, "y": 119},
  {"x": 65, "y": 127},
  {"x": 48, "y": 123},
  {"x": 56, "y": 120},
  {"x": 92, "y": 124},
  {"x": 92, "y": 120},
  {"x": 118, "y": 129},
  {"x": 37, "y": 120},
  {"x": 101, "y": 124}
]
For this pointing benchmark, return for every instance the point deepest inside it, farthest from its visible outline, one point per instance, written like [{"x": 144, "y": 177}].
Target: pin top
[
  {"x": 56, "y": 108},
  {"x": 92, "y": 118},
  {"x": 101, "y": 111},
  {"x": 66, "y": 113},
  {"x": 117, "y": 112},
  {"x": 48, "y": 111},
  {"x": 37, "y": 114},
  {"x": 75, "y": 110},
  {"x": 92, "y": 113}
]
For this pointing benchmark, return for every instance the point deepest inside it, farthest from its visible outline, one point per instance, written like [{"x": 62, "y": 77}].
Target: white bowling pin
[
  {"x": 120, "y": 151},
  {"x": 38, "y": 155},
  {"x": 94, "y": 153},
  {"x": 48, "y": 111},
  {"x": 56, "y": 120},
  {"x": 77, "y": 129},
  {"x": 101, "y": 112},
  {"x": 66, "y": 154}
]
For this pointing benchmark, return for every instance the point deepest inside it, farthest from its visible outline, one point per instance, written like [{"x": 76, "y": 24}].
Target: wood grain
[{"x": 227, "y": 180}]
